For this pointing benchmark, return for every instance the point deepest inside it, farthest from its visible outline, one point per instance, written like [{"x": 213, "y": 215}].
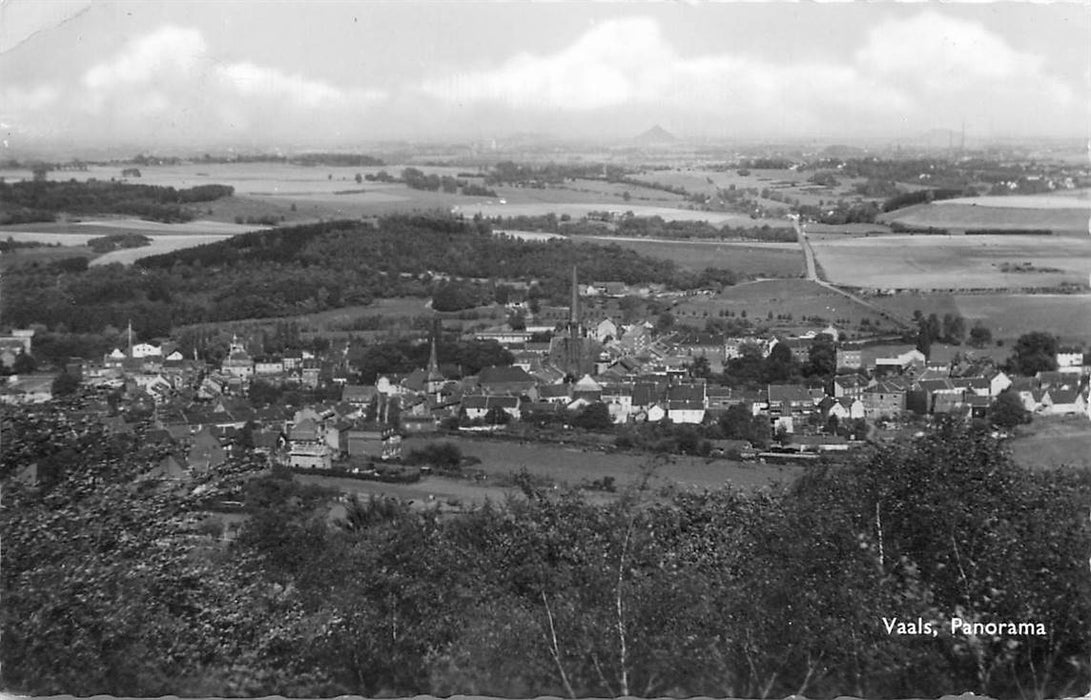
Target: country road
[{"x": 812, "y": 275}]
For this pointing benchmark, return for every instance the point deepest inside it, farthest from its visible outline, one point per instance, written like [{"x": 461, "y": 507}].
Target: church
[{"x": 573, "y": 350}]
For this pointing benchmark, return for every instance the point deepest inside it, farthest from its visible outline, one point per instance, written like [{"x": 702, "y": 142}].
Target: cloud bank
[
  {"x": 619, "y": 77},
  {"x": 170, "y": 85},
  {"x": 933, "y": 70}
]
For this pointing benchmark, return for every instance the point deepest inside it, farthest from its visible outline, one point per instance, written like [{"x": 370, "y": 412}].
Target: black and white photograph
[{"x": 523, "y": 348}]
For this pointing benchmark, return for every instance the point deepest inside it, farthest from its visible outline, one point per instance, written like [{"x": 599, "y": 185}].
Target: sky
[{"x": 274, "y": 74}]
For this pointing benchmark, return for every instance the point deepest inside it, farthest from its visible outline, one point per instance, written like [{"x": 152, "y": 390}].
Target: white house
[
  {"x": 1070, "y": 361},
  {"x": 141, "y": 350},
  {"x": 1067, "y": 402},
  {"x": 606, "y": 329}
]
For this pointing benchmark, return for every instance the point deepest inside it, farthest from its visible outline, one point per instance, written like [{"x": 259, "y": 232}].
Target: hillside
[
  {"x": 306, "y": 269},
  {"x": 656, "y": 135}
]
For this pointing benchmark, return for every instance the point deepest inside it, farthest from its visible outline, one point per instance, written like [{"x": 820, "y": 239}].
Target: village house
[
  {"x": 142, "y": 350},
  {"x": 1066, "y": 401},
  {"x": 707, "y": 345},
  {"x": 307, "y": 446},
  {"x": 843, "y": 408},
  {"x": 618, "y": 398},
  {"x": 373, "y": 440},
  {"x": 899, "y": 363},
  {"x": 605, "y": 331},
  {"x": 849, "y": 386},
  {"x": 478, "y": 406},
  {"x": 850, "y": 358},
  {"x": 1070, "y": 361},
  {"x": 885, "y": 399},
  {"x": 686, "y": 403},
  {"x": 511, "y": 381},
  {"x": 788, "y": 400},
  {"x": 555, "y": 393}
]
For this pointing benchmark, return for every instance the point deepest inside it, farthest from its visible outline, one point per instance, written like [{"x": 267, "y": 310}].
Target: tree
[
  {"x": 24, "y": 363},
  {"x": 595, "y": 416},
  {"x": 700, "y": 367},
  {"x": 1033, "y": 353},
  {"x": 954, "y": 328},
  {"x": 928, "y": 332},
  {"x": 1007, "y": 411},
  {"x": 980, "y": 336},
  {"x": 359, "y": 178},
  {"x": 821, "y": 357},
  {"x": 781, "y": 365},
  {"x": 65, "y": 384}
]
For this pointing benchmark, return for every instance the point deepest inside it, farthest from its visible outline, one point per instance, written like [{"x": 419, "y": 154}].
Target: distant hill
[{"x": 656, "y": 135}]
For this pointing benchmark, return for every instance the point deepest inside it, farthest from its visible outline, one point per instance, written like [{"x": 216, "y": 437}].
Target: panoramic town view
[{"x": 521, "y": 349}]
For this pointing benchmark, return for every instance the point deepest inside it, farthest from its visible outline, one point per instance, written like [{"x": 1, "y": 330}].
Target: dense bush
[{"x": 112, "y": 585}]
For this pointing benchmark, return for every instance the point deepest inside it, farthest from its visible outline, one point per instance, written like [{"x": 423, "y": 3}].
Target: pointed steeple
[
  {"x": 574, "y": 308},
  {"x": 130, "y": 337},
  {"x": 433, "y": 363}
]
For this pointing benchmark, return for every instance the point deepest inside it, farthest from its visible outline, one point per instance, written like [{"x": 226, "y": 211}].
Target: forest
[
  {"x": 117, "y": 582},
  {"x": 44, "y": 200},
  {"x": 305, "y": 269}
]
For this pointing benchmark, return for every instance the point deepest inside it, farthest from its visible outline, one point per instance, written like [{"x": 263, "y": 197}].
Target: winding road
[{"x": 812, "y": 275}]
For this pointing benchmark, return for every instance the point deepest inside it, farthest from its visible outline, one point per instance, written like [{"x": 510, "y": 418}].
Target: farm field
[
  {"x": 93, "y": 228},
  {"x": 952, "y": 262},
  {"x": 1059, "y": 214},
  {"x": 158, "y": 246},
  {"x": 798, "y": 297},
  {"x": 1062, "y": 199},
  {"x": 1007, "y": 315},
  {"x": 572, "y": 465},
  {"x": 1053, "y": 442},
  {"x": 578, "y": 209},
  {"x": 565, "y": 466},
  {"x": 271, "y": 189},
  {"x": 757, "y": 259}
]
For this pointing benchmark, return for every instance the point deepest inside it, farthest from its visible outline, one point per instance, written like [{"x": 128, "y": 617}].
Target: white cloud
[
  {"x": 170, "y": 83},
  {"x": 170, "y": 51},
  {"x": 906, "y": 72}
]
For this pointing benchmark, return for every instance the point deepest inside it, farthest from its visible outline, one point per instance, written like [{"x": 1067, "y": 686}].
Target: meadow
[
  {"x": 1053, "y": 442},
  {"x": 936, "y": 262},
  {"x": 1069, "y": 215},
  {"x": 564, "y": 466},
  {"x": 1007, "y": 315},
  {"x": 797, "y": 297}
]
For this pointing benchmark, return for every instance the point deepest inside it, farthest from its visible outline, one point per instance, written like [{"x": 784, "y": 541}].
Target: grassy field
[
  {"x": 931, "y": 262},
  {"x": 984, "y": 212},
  {"x": 43, "y": 256},
  {"x": 1007, "y": 315},
  {"x": 1053, "y": 442},
  {"x": 158, "y": 246},
  {"x": 564, "y": 466},
  {"x": 752, "y": 259},
  {"x": 797, "y": 297}
]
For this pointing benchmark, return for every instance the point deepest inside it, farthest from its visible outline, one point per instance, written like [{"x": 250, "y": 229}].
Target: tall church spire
[
  {"x": 433, "y": 361},
  {"x": 574, "y": 309}
]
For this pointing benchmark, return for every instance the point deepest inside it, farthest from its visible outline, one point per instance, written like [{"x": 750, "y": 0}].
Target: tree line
[{"x": 42, "y": 200}]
